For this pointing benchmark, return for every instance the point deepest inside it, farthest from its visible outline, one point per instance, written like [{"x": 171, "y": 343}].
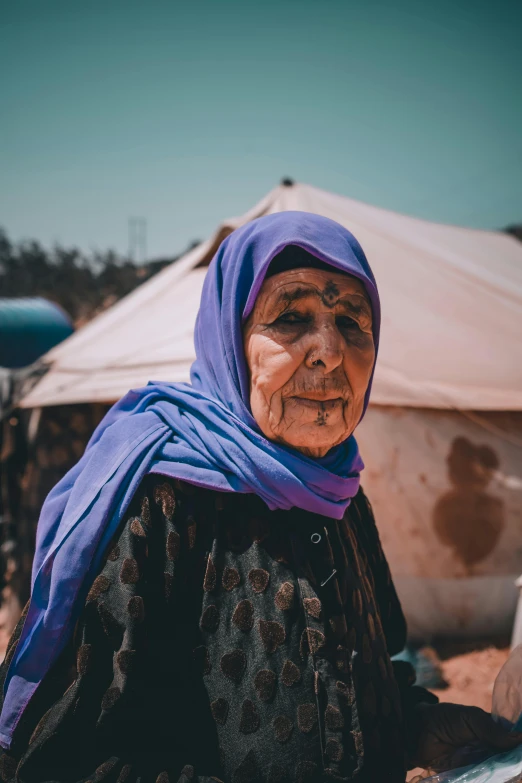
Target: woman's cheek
[
  {"x": 271, "y": 367},
  {"x": 274, "y": 366},
  {"x": 359, "y": 364}
]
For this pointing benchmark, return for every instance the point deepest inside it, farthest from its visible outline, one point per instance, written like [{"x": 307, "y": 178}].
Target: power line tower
[{"x": 138, "y": 239}]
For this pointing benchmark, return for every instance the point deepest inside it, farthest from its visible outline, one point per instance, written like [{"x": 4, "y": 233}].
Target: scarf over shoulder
[{"x": 202, "y": 432}]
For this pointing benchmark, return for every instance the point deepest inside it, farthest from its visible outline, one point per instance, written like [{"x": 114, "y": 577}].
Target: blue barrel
[{"x": 29, "y": 327}]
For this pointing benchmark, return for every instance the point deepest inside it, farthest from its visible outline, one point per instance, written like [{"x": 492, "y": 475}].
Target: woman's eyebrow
[
  {"x": 357, "y": 305},
  {"x": 286, "y": 297}
]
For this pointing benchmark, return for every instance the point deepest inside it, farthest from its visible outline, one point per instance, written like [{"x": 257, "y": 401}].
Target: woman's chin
[{"x": 315, "y": 440}]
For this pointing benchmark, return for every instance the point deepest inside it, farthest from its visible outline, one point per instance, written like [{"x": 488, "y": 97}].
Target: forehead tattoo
[{"x": 330, "y": 294}]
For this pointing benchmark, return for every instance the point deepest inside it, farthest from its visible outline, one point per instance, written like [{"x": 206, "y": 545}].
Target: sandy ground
[{"x": 471, "y": 673}]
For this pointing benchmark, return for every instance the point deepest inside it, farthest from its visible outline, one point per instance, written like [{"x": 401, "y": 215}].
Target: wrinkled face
[{"x": 309, "y": 349}]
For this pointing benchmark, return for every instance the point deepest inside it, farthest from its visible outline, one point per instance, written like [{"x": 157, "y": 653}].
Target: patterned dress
[{"x": 224, "y": 642}]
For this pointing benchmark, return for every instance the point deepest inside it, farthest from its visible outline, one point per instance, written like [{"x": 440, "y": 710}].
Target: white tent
[
  {"x": 451, "y": 301},
  {"x": 449, "y": 372}
]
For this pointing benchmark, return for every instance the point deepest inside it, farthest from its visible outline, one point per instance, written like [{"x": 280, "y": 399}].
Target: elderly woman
[{"x": 210, "y": 599}]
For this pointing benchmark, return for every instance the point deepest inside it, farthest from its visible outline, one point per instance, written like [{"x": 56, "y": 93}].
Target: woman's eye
[
  {"x": 292, "y": 318},
  {"x": 345, "y": 322}
]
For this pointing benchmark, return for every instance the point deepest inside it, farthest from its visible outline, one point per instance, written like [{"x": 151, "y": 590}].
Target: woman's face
[{"x": 309, "y": 349}]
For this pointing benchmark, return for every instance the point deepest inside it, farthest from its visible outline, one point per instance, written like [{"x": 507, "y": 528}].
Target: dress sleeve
[
  {"x": 390, "y": 610},
  {"x": 392, "y": 618},
  {"x": 111, "y": 709}
]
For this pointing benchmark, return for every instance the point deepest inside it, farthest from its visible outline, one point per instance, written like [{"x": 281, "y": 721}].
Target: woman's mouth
[{"x": 323, "y": 403}]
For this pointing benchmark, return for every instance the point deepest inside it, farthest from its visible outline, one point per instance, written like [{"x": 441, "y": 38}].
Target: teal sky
[{"x": 188, "y": 112}]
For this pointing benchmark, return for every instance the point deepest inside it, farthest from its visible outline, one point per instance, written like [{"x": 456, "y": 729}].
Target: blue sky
[{"x": 187, "y": 113}]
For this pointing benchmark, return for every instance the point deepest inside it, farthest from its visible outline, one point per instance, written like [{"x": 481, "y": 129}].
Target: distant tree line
[
  {"x": 83, "y": 285},
  {"x": 515, "y": 230}
]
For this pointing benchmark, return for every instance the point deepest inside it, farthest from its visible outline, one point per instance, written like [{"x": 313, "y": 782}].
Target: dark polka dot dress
[{"x": 224, "y": 642}]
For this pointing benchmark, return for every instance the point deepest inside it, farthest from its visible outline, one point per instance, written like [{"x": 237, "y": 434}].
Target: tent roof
[{"x": 451, "y": 301}]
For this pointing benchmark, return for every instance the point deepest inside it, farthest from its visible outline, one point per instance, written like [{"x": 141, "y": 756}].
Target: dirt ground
[{"x": 470, "y": 669}]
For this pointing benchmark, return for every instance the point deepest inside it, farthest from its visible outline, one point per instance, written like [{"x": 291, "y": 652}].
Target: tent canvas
[{"x": 448, "y": 294}]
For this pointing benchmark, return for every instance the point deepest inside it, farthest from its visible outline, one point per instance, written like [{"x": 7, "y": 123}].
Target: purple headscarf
[{"x": 203, "y": 433}]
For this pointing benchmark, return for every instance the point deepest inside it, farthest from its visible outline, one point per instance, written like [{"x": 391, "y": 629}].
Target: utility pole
[{"x": 138, "y": 240}]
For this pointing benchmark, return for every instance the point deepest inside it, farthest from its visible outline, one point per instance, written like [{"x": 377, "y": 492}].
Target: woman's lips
[{"x": 323, "y": 403}]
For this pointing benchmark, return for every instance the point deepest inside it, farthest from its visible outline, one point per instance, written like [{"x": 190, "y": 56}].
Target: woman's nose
[{"x": 326, "y": 348}]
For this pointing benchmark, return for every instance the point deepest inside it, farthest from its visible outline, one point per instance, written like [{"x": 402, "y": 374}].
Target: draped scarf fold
[{"x": 202, "y": 432}]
